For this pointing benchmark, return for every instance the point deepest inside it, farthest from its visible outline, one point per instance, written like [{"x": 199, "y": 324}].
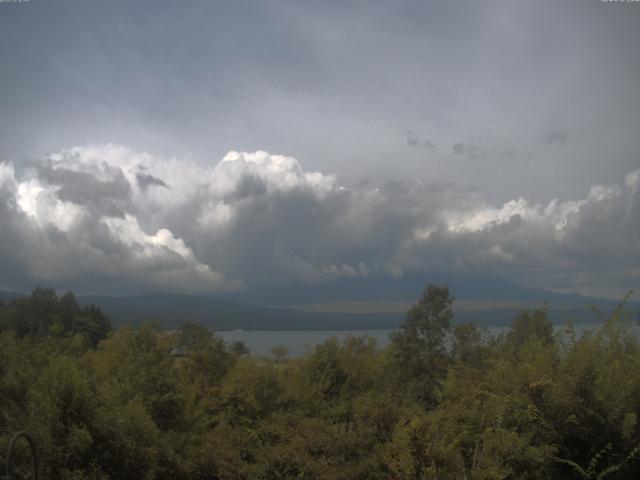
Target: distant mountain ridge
[
  {"x": 5, "y": 295},
  {"x": 405, "y": 288},
  {"x": 485, "y": 301},
  {"x": 172, "y": 309}
]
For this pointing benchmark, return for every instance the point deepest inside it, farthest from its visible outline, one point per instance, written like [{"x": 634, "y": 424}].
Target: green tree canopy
[{"x": 419, "y": 347}]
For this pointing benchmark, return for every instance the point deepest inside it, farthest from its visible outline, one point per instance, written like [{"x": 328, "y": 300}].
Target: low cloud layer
[{"x": 108, "y": 219}]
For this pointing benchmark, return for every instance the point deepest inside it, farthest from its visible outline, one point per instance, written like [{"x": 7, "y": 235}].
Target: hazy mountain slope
[
  {"x": 5, "y": 295},
  {"x": 407, "y": 287},
  {"x": 173, "y": 309},
  {"x": 485, "y": 301}
]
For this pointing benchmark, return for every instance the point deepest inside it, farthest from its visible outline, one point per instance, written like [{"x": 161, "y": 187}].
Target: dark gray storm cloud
[
  {"x": 101, "y": 196},
  {"x": 145, "y": 181},
  {"x": 336, "y": 83},
  {"x": 412, "y": 138},
  {"x": 558, "y": 137},
  {"x": 82, "y": 219},
  {"x": 470, "y": 151},
  {"x": 449, "y": 128}
]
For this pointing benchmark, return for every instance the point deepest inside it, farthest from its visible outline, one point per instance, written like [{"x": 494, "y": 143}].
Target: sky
[{"x": 207, "y": 146}]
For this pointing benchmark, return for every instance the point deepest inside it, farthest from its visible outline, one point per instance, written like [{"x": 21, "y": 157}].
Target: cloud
[
  {"x": 300, "y": 78},
  {"x": 470, "y": 151},
  {"x": 72, "y": 221},
  {"x": 413, "y": 140},
  {"x": 105, "y": 218},
  {"x": 557, "y": 138},
  {"x": 145, "y": 181}
]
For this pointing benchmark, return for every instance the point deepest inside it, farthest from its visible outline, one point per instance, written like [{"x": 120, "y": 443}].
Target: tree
[
  {"x": 238, "y": 348},
  {"x": 279, "y": 353},
  {"x": 529, "y": 326},
  {"x": 44, "y": 314},
  {"x": 419, "y": 348},
  {"x": 467, "y": 346},
  {"x": 193, "y": 335}
]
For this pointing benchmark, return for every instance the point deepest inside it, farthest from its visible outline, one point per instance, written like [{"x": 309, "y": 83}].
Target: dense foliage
[
  {"x": 439, "y": 402},
  {"x": 44, "y": 313}
]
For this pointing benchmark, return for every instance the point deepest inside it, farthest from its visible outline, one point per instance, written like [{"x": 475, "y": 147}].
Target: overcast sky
[{"x": 435, "y": 124}]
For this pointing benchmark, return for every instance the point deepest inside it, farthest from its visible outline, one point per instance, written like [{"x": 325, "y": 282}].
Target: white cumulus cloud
[{"x": 105, "y": 218}]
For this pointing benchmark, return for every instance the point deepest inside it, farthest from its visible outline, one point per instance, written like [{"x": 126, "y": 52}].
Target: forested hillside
[{"x": 439, "y": 402}]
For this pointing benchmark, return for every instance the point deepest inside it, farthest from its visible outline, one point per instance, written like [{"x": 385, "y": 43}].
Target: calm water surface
[{"x": 298, "y": 342}]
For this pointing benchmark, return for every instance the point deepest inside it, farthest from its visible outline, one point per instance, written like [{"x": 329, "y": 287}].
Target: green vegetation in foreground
[{"x": 142, "y": 403}]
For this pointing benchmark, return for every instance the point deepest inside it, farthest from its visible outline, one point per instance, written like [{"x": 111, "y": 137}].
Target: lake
[{"x": 261, "y": 342}]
